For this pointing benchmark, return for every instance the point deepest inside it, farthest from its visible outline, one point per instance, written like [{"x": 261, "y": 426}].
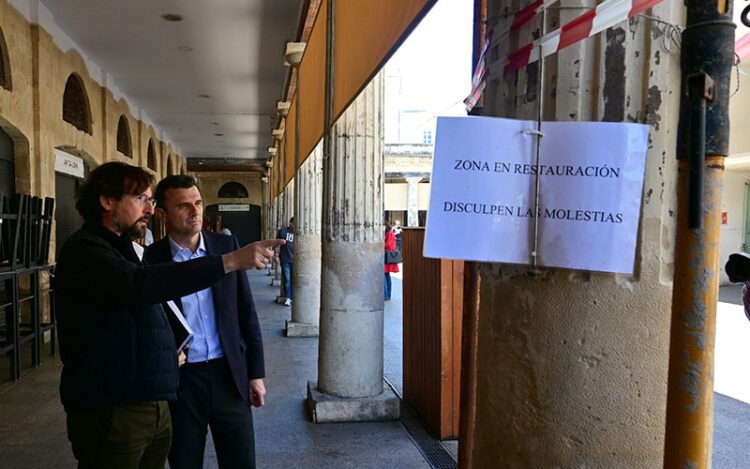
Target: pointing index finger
[{"x": 271, "y": 243}]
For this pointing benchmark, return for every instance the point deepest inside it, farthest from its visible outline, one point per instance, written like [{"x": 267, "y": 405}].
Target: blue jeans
[
  {"x": 286, "y": 271},
  {"x": 387, "y": 293}
]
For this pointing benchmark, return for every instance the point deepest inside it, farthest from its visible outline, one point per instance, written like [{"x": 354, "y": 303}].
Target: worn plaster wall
[
  {"x": 31, "y": 111},
  {"x": 40, "y": 59},
  {"x": 17, "y": 104},
  {"x": 572, "y": 366}
]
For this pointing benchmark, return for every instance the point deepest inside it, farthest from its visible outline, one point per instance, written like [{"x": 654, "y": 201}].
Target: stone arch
[
  {"x": 151, "y": 155},
  {"x": 76, "y": 107},
  {"x": 233, "y": 190},
  {"x": 124, "y": 137},
  {"x": 5, "y": 75}
]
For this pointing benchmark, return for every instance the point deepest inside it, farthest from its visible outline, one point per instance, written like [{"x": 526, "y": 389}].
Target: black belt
[{"x": 205, "y": 363}]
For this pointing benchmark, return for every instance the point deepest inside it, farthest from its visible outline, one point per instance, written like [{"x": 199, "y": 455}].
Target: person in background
[
  {"x": 286, "y": 258},
  {"x": 390, "y": 245},
  {"x": 397, "y": 233}
]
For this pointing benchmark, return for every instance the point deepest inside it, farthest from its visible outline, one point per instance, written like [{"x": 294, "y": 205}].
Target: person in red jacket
[{"x": 390, "y": 245}]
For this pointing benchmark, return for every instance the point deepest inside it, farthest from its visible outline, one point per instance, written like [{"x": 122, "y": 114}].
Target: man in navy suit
[{"x": 223, "y": 376}]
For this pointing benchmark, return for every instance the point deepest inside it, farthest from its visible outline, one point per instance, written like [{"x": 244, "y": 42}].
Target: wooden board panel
[
  {"x": 311, "y": 86},
  {"x": 432, "y": 312}
]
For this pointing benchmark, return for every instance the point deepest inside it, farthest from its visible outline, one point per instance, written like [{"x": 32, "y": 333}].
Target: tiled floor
[{"x": 32, "y": 422}]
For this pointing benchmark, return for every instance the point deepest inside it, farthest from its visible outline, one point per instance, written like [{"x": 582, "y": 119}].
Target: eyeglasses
[{"x": 143, "y": 198}]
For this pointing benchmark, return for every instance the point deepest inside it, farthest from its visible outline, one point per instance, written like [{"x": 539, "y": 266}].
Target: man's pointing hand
[{"x": 254, "y": 255}]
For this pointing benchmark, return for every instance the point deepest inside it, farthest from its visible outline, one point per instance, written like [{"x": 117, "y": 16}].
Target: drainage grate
[{"x": 434, "y": 453}]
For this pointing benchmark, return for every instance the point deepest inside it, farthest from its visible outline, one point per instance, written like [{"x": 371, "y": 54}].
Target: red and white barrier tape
[
  {"x": 606, "y": 15},
  {"x": 479, "y": 80}
]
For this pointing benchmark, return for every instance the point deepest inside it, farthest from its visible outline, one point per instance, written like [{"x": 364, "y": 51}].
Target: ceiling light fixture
[
  {"x": 204, "y": 96},
  {"x": 172, "y": 17},
  {"x": 293, "y": 53},
  {"x": 185, "y": 49},
  {"x": 219, "y": 135}
]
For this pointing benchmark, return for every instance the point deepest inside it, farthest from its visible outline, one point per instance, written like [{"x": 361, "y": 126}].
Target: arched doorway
[
  {"x": 232, "y": 190},
  {"x": 243, "y": 220},
  {"x": 70, "y": 170}
]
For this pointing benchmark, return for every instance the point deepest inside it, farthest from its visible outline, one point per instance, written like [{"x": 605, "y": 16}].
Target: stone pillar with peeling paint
[
  {"x": 572, "y": 366},
  {"x": 412, "y": 200},
  {"x": 350, "y": 360},
  {"x": 264, "y": 221},
  {"x": 307, "y": 248}
]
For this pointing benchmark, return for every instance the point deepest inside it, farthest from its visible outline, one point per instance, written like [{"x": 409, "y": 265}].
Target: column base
[
  {"x": 330, "y": 409},
  {"x": 300, "y": 329}
]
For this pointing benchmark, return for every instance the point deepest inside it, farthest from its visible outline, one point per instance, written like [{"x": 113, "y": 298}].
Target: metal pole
[
  {"x": 539, "y": 135},
  {"x": 703, "y": 142},
  {"x": 470, "y": 320}
]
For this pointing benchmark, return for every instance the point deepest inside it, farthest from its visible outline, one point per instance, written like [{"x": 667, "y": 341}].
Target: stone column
[
  {"x": 306, "y": 270},
  {"x": 277, "y": 216},
  {"x": 350, "y": 359},
  {"x": 572, "y": 366},
  {"x": 412, "y": 201},
  {"x": 265, "y": 221}
]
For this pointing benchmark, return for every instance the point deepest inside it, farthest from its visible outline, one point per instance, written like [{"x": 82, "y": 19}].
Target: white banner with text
[{"x": 483, "y": 193}]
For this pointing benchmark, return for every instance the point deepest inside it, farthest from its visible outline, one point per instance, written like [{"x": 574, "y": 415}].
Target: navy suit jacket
[{"x": 237, "y": 320}]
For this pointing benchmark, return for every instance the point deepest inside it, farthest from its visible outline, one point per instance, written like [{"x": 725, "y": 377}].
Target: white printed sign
[
  {"x": 68, "y": 164},
  {"x": 483, "y": 192},
  {"x": 234, "y": 207}
]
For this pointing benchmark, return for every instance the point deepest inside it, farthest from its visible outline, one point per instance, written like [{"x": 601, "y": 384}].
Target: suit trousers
[
  {"x": 122, "y": 436},
  {"x": 208, "y": 397}
]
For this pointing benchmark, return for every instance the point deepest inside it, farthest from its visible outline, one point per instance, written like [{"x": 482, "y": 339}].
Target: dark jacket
[
  {"x": 237, "y": 320},
  {"x": 115, "y": 342}
]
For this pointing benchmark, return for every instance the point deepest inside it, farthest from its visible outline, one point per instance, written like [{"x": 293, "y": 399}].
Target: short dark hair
[
  {"x": 178, "y": 181},
  {"x": 113, "y": 179}
]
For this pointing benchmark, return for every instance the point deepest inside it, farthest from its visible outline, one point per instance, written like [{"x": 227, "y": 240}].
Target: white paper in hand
[{"x": 182, "y": 331}]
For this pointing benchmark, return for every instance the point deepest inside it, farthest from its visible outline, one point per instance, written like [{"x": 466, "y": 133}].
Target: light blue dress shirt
[{"x": 199, "y": 311}]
